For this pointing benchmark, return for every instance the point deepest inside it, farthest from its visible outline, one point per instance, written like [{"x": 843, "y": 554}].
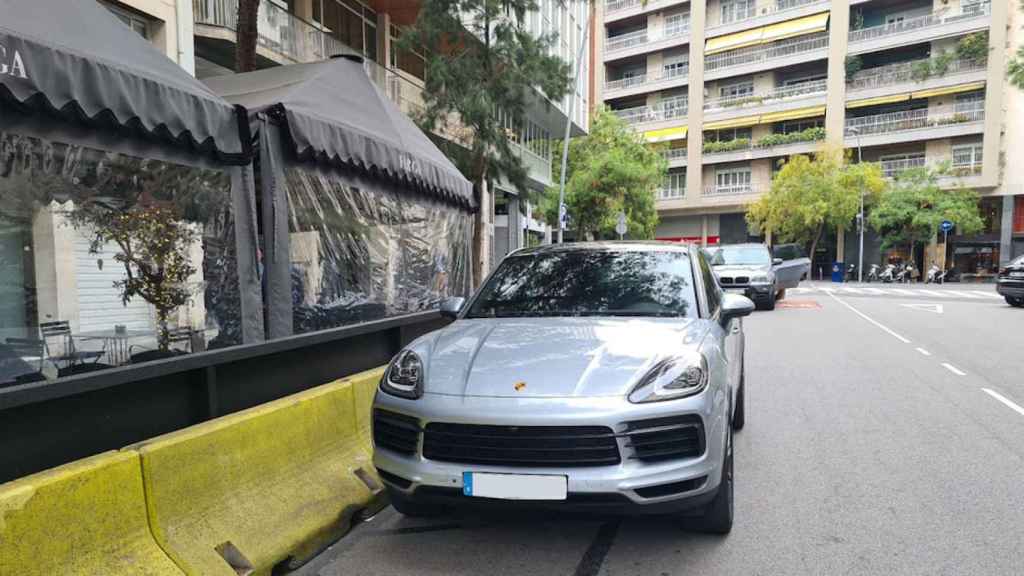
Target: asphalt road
[{"x": 883, "y": 437}]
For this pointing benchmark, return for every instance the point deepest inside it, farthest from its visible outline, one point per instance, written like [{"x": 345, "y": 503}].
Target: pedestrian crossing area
[{"x": 978, "y": 293}]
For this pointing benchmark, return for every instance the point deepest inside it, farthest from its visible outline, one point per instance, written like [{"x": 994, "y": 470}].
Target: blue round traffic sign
[{"x": 946, "y": 226}]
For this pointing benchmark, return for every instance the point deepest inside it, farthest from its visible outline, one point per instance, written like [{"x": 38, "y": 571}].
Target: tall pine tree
[{"x": 482, "y": 63}]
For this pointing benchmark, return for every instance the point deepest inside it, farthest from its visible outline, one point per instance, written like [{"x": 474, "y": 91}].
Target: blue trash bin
[{"x": 838, "y": 271}]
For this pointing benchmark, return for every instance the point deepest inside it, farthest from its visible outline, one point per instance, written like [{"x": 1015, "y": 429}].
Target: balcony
[
  {"x": 667, "y": 109},
  {"x": 758, "y": 58},
  {"x": 779, "y": 11},
  {"x": 955, "y": 175},
  {"x": 615, "y": 10},
  {"x": 891, "y": 168},
  {"x": 778, "y": 99},
  {"x": 643, "y": 41},
  {"x": 676, "y": 157},
  {"x": 283, "y": 38},
  {"x": 674, "y": 187},
  {"x": 671, "y": 77},
  {"x": 723, "y": 191},
  {"x": 770, "y": 146},
  {"x": 916, "y": 72},
  {"x": 913, "y": 125},
  {"x": 941, "y": 24}
]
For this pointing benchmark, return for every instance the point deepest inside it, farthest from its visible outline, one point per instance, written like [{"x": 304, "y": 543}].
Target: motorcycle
[
  {"x": 851, "y": 273},
  {"x": 936, "y": 275},
  {"x": 873, "y": 273},
  {"x": 888, "y": 274}
]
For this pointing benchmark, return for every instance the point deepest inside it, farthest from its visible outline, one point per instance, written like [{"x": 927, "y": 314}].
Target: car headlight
[
  {"x": 760, "y": 280},
  {"x": 671, "y": 379},
  {"x": 404, "y": 377}
]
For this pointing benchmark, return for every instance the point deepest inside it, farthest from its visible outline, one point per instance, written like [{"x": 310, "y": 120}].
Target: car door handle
[{"x": 736, "y": 329}]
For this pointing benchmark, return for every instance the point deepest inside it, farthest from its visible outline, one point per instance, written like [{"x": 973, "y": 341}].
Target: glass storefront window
[{"x": 108, "y": 259}]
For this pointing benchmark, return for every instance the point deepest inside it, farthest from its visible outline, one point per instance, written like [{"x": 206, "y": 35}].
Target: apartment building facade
[
  {"x": 201, "y": 36},
  {"x": 734, "y": 86}
]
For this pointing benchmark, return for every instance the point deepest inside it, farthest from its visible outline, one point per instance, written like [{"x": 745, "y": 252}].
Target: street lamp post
[
  {"x": 860, "y": 216},
  {"x": 568, "y": 127}
]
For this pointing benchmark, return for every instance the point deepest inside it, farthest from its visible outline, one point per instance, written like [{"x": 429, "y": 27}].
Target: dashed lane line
[
  {"x": 923, "y": 351},
  {"x": 953, "y": 369},
  {"x": 869, "y": 319},
  {"x": 1006, "y": 401}
]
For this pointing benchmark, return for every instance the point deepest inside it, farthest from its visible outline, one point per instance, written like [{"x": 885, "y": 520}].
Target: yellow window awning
[
  {"x": 665, "y": 134},
  {"x": 764, "y": 34},
  {"x": 878, "y": 100},
  {"x": 792, "y": 114},
  {"x": 798, "y": 27},
  {"x": 733, "y": 123},
  {"x": 733, "y": 41},
  {"x": 949, "y": 90}
]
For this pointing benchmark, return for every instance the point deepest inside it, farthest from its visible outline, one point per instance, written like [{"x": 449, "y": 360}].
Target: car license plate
[
  {"x": 736, "y": 290},
  {"x": 515, "y": 486},
  {"x": 1016, "y": 274}
]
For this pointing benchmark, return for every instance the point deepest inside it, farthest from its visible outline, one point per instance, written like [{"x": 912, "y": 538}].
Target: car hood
[
  {"x": 550, "y": 357},
  {"x": 733, "y": 270}
]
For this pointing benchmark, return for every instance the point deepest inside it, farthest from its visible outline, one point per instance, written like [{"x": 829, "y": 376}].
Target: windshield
[
  {"x": 740, "y": 256},
  {"x": 589, "y": 283}
]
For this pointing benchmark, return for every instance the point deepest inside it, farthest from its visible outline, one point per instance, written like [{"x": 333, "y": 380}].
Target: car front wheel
[
  {"x": 408, "y": 507},
  {"x": 718, "y": 516},
  {"x": 738, "y": 415},
  {"x": 1015, "y": 302}
]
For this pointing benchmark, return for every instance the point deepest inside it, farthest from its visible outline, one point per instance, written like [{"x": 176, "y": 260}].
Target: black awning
[
  {"x": 334, "y": 113},
  {"x": 75, "y": 59}
]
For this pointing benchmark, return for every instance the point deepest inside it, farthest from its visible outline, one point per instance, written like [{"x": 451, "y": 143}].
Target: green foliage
[
  {"x": 742, "y": 101},
  {"x": 480, "y": 58},
  {"x": 914, "y": 206},
  {"x": 856, "y": 18},
  {"x": 154, "y": 250},
  {"x": 809, "y": 195},
  {"x": 921, "y": 69},
  {"x": 853, "y": 65},
  {"x": 610, "y": 170},
  {"x": 726, "y": 145},
  {"x": 973, "y": 46},
  {"x": 1015, "y": 64},
  {"x": 805, "y": 135}
]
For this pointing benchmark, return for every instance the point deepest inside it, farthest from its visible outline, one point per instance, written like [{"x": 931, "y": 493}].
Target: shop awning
[
  {"x": 810, "y": 112},
  {"x": 798, "y": 27},
  {"x": 878, "y": 100},
  {"x": 764, "y": 34},
  {"x": 948, "y": 90},
  {"x": 732, "y": 123},
  {"x": 335, "y": 114},
  {"x": 665, "y": 134},
  {"x": 76, "y": 60}
]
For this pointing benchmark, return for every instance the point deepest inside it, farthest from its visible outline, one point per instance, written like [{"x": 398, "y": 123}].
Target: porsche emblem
[{"x": 520, "y": 386}]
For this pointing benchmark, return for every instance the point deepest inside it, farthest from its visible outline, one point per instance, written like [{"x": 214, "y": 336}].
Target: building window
[
  {"x": 967, "y": 155},
  {"x": 733, "y": 179},
  {"x": 350, "y": 22},
  {"x": 727, "y": 134},
  {"x": 1018, "y": 215},
  {"x": 137, "y": 22},
  {"x": 970, "y": 103},
  {"x": 414, "y": 62},
  {"x": 677, "y": 65},
  {"x": 894, "y": 164},
  {"x": 736, "y": 10},
  {"x": 791, "y": 126},
  {"x": 677, "y": 24},
  {"x": 737, "y": 89}
]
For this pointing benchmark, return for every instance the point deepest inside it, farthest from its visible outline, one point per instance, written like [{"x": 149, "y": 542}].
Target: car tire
[
  {"x": 781, "y": 294},
  {"x": 770, "y": 303},
  {"x": 718, "y": 515},
  {"x": 1015, "y": 302},
  {"x": 739, "y": 417},
  {"x": 408, "y": 507}
]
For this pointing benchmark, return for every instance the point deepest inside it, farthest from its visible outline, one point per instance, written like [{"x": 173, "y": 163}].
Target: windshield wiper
[{"x": 644, "y": 313}]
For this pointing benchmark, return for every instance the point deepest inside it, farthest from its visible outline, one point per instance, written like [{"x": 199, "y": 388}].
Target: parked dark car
[
  {"x": 1011, "y": 282},
  {"x": 751, "y": 270}
]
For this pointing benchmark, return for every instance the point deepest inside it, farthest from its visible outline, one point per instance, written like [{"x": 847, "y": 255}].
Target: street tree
[
  {"x": 611, "y": 170},
  {"x": 1015, "y": 64},
  {"x": 810, "y": 195},
  {"x": 912, "y": 209},
  {"x": 247, "y": 34},
  {"x": 483, "y": 68}
]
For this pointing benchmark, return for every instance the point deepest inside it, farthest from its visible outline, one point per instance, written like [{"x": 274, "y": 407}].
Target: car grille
[
  {"x": 734, "y": 281},
  {"x": 666, "y": 438},
  {"x": 396, "y": 432},
  {"x": 554, "y": 446}
]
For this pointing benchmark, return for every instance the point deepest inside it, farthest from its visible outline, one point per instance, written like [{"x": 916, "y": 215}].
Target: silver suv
[{"x": 600, "y": 376}]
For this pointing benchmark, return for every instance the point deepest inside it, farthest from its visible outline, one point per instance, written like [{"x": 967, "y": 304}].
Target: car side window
[{"x": 714, "y": 293}]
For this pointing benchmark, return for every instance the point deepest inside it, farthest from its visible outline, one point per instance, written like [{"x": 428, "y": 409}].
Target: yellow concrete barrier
[
  {"x": 365, "y": 386},
  {"x": 87, "y": 517},
  {"x": 247, "y": 491}
]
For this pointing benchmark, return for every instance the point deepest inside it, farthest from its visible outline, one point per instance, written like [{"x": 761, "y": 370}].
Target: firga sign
[{"x": 11, "y": 63}]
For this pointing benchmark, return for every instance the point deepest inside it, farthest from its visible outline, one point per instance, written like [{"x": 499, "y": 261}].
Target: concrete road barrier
[
  {"x": 272, "y": 484},
  {"x": 87, "y": 517}
]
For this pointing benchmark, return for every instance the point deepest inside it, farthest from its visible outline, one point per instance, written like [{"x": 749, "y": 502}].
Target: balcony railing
[
  {"x": 910, "y": 120},
  {"x": 921, "y": 22},
  {"x": 912, "y": 71},
  {"x": 801, "y": 90},
  {"x": 640, "y": 37},
  {"x": 641, "y": 79},
  {"x": 616, "y": 5},
  {"x": 733, "y": 189},
  {"x": 674, "y": 154},
  {"x": 779, "y": 6},
  {"x": 890, "y": 168},
  {"x": 756, "y": 54},
  {"x": 278, "y": 30},
  {"x": 668, "y": 108},
  {"x": 893, "y": 168}
]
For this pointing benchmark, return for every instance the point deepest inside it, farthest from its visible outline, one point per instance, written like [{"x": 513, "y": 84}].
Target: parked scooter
[
  {"x": 873, "y": 273},
  {"x": 935, "y": 275},
  {"x": 851, "y": 273},
  {"x": 888, "y": 274}
]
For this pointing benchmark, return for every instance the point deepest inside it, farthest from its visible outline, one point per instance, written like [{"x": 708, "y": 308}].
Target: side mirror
[
  {"x": 776, "y": 261},
  {"x": 736, "y": 306},
  {"x": 450, "y": 307}
]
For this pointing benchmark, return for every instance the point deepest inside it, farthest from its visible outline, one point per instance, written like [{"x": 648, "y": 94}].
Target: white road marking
[
  {"x": 875, "y": 291},
  {"x": 953, "y": 369},
  {"x": 936, "y": 308},
  {"x": 1009, "y": 403},
  {"x": 923, "y": 351},
  {"x": 932, "y": 293},
  {"x": 961, "y": 294},
  {"x": 987, "y": 294},
  {"x": 869, "y": 319},
  {"x": 848, "y": 290},
  {"x": 901, "y": 291}
]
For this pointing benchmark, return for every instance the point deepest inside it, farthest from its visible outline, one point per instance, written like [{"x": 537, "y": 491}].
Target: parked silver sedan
[{"x": 599, "y": 376}]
